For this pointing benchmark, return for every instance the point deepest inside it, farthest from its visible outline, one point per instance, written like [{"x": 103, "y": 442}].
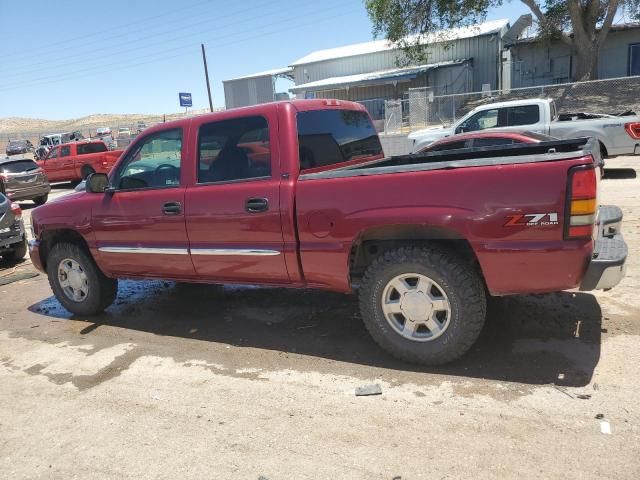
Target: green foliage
[
  {"x": 403, "y": 22},
  {"x": 399, "y": 19}
]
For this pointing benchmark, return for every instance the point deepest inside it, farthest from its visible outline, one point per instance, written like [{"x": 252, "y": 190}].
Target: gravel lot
[{"x": 219, "y": 382}]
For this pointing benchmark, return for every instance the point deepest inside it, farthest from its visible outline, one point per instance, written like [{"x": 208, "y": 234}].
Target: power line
[
  {"x": 115, "y": 27},
  {"x": 160, "y": 55},
  {"x": 116, "y": 67},
  {"x": 77, "y": 53}
]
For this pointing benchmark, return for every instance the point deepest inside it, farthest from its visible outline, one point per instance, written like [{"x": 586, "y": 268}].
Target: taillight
[
  {"x": 633, "y": 129},
  {"x": 16, "y": 210},
  {"x": 581, "y": 202}
]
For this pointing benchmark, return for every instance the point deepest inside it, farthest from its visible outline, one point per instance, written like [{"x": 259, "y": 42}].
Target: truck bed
[{"x": 469, "y": 157}]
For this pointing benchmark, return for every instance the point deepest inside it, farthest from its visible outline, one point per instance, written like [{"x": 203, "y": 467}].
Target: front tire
[
  {"x": 77, "y": 282},
  {"x": 423, "y": 304}
]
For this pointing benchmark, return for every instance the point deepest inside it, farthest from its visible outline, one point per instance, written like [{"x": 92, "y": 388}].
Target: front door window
[{"x": 154, "y": 163}]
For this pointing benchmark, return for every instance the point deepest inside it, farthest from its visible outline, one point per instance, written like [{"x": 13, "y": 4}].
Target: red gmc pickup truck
[
  {"x": 298, "y": 194},
  {"x": 76, "y": 161}
]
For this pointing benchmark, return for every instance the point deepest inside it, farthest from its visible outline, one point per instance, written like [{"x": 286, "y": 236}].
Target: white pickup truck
[{"x": 618, "y": 135}]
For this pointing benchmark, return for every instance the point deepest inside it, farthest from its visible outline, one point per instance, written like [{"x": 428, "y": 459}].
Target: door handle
[
  {"x": 257, "y": 205},
  {"x": 172, "y": 208}
]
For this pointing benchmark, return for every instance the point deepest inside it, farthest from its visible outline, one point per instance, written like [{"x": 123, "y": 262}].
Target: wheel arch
[
  {"x": 375, "y": 241},
  {"x": 50, "y": 238}
]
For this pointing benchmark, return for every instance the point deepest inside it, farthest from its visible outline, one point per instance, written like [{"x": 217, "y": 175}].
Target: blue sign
[{"x": 185, "y": 99}]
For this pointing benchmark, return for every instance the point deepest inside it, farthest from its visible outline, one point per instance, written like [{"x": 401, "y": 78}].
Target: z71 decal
[{"x": 532, "y": 220}]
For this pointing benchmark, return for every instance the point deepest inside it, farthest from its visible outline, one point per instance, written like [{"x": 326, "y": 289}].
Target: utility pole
[{"x": 206, "y": 74}]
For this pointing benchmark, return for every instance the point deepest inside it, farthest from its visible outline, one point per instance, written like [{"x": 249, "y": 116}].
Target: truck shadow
[
  {"x": 619, "y": 173},
  {"x": 533, "y": 339}
]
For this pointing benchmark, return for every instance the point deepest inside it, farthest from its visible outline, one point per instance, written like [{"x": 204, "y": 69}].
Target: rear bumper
[
  {"x": 8, "y": 240},
  {"x": 607, "y": 266},
  {"x": 29, "y": 193}
]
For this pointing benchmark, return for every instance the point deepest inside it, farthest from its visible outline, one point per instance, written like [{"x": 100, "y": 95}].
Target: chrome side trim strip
[
  {"x": 151, "y": 250},
  {"x": 233, "y": 251}
]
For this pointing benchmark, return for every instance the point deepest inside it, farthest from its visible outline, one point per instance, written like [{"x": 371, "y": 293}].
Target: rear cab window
[
  {"x": 447, "y": 146},
  {"x": 493, "y": 141},
  {"x": 18, "y": 167},
  {"x": 328, "y": 138},
  {"x": 85, "y": 148},
  {"x": 523, "y": 115}
]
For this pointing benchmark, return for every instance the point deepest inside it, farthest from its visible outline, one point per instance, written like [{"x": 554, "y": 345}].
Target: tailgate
[{"x": 19, "y": 181}]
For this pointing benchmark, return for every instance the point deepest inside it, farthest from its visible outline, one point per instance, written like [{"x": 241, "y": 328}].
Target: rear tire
[
  {"x": 77, "y": 282},
  {"x": 448, "y": 304},
  {"x": 41, "y": 200},
  {"x": 18, "y": 252},
  {"x": 86, "y": 171}
]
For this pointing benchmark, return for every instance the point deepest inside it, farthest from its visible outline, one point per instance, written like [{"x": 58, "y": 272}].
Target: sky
[{"x": 65, "y": 59}]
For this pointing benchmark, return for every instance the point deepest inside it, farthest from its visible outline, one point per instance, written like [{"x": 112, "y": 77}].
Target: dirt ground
[{"x": 220, "y": 382}]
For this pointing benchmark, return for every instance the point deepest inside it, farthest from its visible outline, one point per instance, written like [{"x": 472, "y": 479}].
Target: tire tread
[{"x": 467, "y": 282}]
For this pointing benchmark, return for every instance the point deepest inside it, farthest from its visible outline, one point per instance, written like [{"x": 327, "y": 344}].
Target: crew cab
[
  {"x": 299, "y": 194},
  {"x": 616, "y": 135},
  {"x": 76, "y": 161}
]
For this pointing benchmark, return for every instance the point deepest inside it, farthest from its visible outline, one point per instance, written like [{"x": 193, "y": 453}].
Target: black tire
[
  {"x": 17, "y": 253},
  {"x": 102, "y": 291},
  {"x": 86, "y": 171},
  {"x": 459, "y": 281},
  {"x": 41, "y": 200}
]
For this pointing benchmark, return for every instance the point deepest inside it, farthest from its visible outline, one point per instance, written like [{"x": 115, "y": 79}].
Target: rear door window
[
  {"x": 65, "y": 151},
  {"x": 328, "y": 137},
  {"x": 523, "y": 115},
  {"x": 236, "y": 149}
]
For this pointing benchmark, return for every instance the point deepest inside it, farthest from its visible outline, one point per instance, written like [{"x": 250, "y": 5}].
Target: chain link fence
[{"x": 423, "y": 109}]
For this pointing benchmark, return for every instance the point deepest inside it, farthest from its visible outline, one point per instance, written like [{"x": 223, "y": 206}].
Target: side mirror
[
  {"x": 97, "y": 183},
  {"x": 459, "y": 130}
]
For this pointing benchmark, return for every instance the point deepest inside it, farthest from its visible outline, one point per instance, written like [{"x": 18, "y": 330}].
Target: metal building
[
  {"x": 253, "y": 89},
  {"x": 536, "y": 62},
  {"x": 458, "y": 60}
]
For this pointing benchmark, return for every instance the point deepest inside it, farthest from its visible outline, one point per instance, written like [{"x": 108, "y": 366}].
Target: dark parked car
[
  {"x": 16, "y": 147},
  {"x": 13, "y": 244},
  {"x": 23, "y": 180},
  {"x": 485, "y": 139}
]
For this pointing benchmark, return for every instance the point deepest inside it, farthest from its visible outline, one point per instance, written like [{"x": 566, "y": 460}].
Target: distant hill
[{"x": 19, "y": 127}]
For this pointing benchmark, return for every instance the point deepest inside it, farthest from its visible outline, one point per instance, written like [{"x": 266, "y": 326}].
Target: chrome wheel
[
  {"x": 73, "y": 280},
  {"x": 416, "y": 307}
]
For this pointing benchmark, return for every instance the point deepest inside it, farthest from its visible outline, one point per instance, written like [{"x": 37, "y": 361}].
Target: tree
[{"x": 581, "y": 24}]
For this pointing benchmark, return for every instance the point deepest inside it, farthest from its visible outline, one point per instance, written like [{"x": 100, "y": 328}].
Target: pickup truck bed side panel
[{"x": 334, "y": 212}]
